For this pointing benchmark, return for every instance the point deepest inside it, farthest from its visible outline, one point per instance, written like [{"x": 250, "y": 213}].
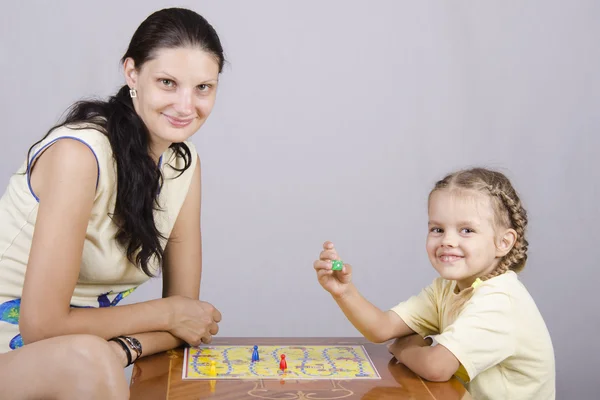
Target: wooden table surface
[{"x": 159, "y": 377}]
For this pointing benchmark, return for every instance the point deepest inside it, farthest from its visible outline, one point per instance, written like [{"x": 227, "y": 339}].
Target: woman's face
[{"x": 176, "y": 91}]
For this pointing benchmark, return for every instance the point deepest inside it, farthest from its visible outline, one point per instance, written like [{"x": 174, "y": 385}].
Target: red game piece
[{"x": 283, "y": 363}]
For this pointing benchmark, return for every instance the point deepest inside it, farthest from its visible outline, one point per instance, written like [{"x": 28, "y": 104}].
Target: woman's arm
[
  {"x": 65, "y": 180},
  {"x": 182, "y": 269},
  {"x": 182, "y": 266}
]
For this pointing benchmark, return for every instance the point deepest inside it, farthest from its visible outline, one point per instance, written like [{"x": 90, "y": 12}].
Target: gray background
[{"x": 333, "y": 121}]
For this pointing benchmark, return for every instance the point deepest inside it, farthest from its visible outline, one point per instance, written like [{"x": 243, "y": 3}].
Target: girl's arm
[
  {"x": 65, "y": 181},
  {"x": 435, "y": 363},
  {"x": 375, "y": 325}
]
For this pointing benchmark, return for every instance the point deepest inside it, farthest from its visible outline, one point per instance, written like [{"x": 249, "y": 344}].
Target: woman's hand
[{"x": 193, "y": 321}]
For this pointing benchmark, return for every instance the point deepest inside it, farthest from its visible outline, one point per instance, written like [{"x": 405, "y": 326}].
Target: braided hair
[{"x": 508, "y": 213}]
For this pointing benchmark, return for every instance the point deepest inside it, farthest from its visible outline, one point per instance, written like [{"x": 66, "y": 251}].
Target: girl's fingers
[
  {"x": 328, "y": 245},
  {"x": 328, "y": 255},
  {"x": 346, "y": 270},
  {"x": 322, "y": 272},
  {"x": 321, "y": 264}
]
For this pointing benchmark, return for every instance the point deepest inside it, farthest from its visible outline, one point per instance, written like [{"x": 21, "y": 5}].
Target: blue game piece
[{"x": 255, "y": 354}]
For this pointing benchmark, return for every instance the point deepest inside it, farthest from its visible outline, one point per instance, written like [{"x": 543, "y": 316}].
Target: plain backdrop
[{"x": 333, "y": 121}]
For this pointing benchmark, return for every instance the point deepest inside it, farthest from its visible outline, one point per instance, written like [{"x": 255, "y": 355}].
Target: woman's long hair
[{"x": 138, "y": 177}]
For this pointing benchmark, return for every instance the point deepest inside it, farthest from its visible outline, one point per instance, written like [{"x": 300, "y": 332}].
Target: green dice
[{"x": 337, "y": 265}]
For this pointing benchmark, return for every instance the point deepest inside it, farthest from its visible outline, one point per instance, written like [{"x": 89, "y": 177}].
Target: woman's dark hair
[{"x": 138, "y": 177}]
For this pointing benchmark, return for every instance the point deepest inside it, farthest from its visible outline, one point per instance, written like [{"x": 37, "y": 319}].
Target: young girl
[
  {"x": 107, "y": 199},
  {"x": 476, "y": 321}
]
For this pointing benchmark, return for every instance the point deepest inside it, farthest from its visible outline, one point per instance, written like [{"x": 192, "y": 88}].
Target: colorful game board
[{"x": 303, "y": 362}]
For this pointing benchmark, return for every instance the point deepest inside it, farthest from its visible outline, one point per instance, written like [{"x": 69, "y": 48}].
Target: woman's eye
[{"x": 167, "y": 82}]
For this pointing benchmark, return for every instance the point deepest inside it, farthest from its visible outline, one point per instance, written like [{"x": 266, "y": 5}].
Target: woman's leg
[{"x": 63, "y": 368}]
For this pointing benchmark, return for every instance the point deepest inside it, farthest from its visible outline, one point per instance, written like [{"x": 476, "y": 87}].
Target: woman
[{"x": 107, "y": 199}]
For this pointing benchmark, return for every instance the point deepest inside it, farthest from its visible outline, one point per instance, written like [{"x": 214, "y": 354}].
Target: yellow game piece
[{"x": 213, "y": 368}]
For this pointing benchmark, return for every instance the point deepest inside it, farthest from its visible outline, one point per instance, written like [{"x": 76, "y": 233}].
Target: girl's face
[
  {"x": 462, "y": 243},
  {"x": 176, "y": 91}
]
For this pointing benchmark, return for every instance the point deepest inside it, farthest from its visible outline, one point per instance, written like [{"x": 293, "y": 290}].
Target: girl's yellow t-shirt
[{"x": 499, "y": 337}]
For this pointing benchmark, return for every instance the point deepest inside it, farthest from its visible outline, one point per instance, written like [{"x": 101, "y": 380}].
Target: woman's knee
[
  {"x": 65, "y": 368},
  {"x": 95, "y": 368},
  {"x": 89, "y": 348}
]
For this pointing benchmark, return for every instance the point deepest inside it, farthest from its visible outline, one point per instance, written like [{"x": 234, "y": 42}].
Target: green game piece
[{"x": 337, "y": 265}]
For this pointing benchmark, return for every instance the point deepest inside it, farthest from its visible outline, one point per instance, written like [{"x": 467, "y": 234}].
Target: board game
[{"x": 303, "y": 362}]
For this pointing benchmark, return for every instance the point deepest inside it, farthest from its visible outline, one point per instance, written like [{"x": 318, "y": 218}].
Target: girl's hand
[
  {"x": 193, "y": 321},
  {"x": 335, "y": 282},
  {"x": 405, "y": 342}
]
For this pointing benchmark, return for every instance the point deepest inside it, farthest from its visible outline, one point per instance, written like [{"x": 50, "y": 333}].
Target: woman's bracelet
[
  {"x": 125, "y": 349},
  {"x": 134, "y": 344}
]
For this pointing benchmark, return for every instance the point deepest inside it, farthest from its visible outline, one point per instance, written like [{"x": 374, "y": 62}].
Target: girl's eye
[
  {"x": 167, "y": 82},
  {"x": 467, "y": 230},
  {"x": 436, "y": 230}
]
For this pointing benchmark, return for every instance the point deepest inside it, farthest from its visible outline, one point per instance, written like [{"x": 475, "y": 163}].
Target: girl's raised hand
[{"x": 335, "y": 282}]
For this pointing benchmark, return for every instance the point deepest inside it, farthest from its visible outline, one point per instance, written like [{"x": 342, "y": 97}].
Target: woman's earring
[{"x": 132, "y": 92}]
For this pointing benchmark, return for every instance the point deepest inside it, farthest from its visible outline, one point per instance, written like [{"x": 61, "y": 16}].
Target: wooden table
[{"x": 159, "y": 377}]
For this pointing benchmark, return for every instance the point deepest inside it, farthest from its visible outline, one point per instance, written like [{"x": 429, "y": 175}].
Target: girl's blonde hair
[{"x": 508, "y": 213}]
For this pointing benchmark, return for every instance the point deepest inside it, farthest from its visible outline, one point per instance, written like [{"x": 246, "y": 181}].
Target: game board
[{"x": 304, "y": 362}]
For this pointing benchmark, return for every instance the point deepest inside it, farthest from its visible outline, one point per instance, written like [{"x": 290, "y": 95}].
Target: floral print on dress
[{"x": 10, "y": 311}]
